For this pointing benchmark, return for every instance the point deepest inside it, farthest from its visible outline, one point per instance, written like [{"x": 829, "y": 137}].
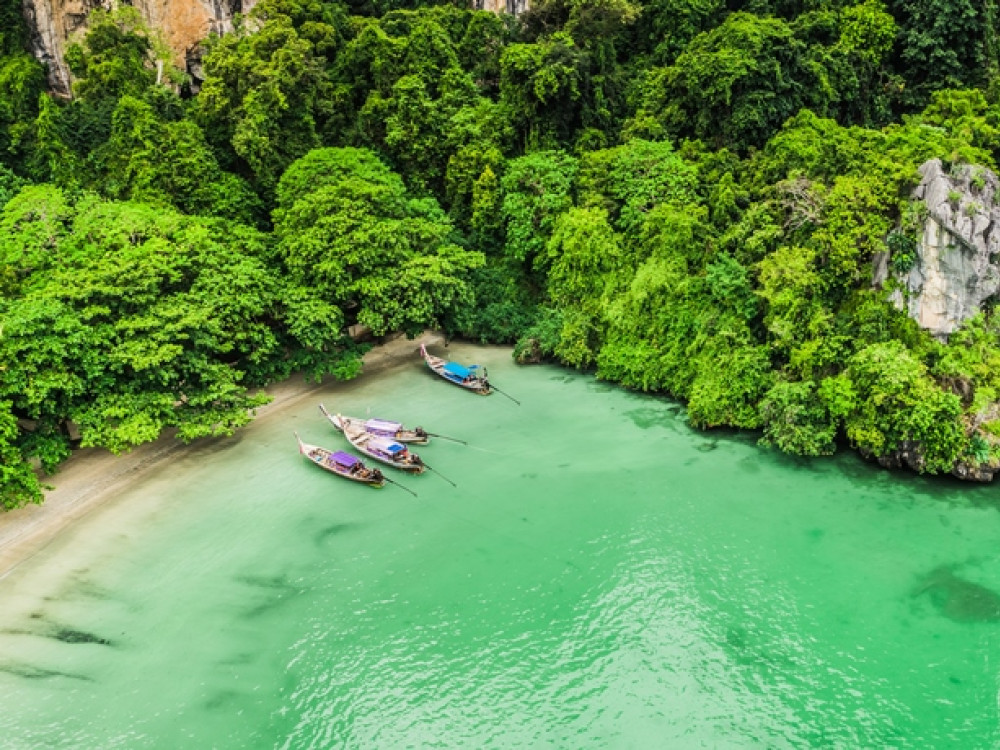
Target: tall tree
[
  {"x": 347, "y": 227},
  {"x": 264, "y": 97},
  {"x": 944, "y": 44}
]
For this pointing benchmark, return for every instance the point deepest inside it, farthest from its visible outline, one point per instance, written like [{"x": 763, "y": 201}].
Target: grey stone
[
  {"x": 880, "y": 269},
  {"x": 956, "y": 268},
  {"x": 55, "y": 24}
]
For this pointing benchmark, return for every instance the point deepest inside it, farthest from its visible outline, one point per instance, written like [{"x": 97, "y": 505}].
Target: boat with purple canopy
[
  {"x": 472, "y": 378},
  {"x": 384, "y": 449},
  {"x": 382, "y": 428},
  {"x": 341, "y": 463}
]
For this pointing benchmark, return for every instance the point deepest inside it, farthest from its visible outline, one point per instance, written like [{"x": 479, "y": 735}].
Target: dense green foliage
[{"x": 685, "y": 196}]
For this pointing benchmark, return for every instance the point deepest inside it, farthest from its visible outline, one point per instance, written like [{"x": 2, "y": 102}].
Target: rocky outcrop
[
  {"x": 514, "y": 7},
  {"x": 909, "y": 455},
  {"x": 529, "y": 352},
  {"x": 51, "y": 23},
  {"x": 956, "y": 268},
  {"x": 55, "y": 24}
]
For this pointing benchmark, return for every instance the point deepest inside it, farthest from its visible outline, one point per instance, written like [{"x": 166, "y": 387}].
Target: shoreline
[{"x": 90, "y": 477}]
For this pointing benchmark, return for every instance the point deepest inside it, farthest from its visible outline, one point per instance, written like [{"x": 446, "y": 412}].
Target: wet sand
[{"x": 92, "y": 476}]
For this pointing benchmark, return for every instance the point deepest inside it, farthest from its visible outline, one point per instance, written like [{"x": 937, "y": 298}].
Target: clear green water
[{"x": 604, "y": 577}]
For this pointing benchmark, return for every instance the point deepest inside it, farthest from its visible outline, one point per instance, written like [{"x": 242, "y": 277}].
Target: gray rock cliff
[
  {"x": 957, "y": 266},
  {"x": 55, "y": 24}
]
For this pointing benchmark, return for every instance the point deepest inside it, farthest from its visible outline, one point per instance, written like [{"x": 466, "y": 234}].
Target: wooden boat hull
[
  {"x": 414, "y": 437},
  {"x": 360, "y": 439},
  {"x": 323, "y": 458},
  {"x": 438, "y": 365}
]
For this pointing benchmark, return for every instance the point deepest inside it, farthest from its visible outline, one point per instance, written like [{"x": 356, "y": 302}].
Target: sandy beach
[{"x": 92, "y": 476}]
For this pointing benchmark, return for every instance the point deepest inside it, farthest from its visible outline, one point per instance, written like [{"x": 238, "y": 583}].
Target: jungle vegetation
[{"x": 683, "y": 196}]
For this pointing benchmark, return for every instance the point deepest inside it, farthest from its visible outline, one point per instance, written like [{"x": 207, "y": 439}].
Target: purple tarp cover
[
  {"x": 382, "y": 425},
  {"x": 344, "y": 459}
]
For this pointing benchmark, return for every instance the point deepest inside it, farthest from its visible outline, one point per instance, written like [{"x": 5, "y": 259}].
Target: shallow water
[{"x": 602, "y": 577}]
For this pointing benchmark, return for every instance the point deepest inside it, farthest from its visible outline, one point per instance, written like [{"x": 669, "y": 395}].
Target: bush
[
  {"x": 797, "y": 421},
  {"x": 541, "y": 339},
  {"x": 903, "y": 250}
]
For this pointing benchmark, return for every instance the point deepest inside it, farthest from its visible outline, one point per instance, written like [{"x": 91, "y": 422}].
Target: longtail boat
[
  {"x": 381, "y": 427},
  {"x": 341, "y": 463},
  {"x": 383, "y": 449},
  {"x": 472, "y": 378}
]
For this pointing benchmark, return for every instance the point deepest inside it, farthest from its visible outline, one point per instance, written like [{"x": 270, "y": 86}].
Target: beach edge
[{"x": 92, "y": 476}]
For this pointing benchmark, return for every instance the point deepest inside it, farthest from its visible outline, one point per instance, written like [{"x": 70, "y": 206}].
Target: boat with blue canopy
[
  {"x": 341, "y": 463},
  {"x": 382, "y": 427},
  {"x": 385, "y": 449},
  {"x": 470, "y": 377}
]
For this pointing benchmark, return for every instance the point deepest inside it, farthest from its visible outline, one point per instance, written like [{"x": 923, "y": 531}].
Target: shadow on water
[
  {"x": 274, "y": 591},
  {"x": 650, "y": 410},
  {"x": 669, "y": 416},
  {"x": 90, "y": 590},
  {"x": 223, "y": 699},
  {"x": 745, "y": 649},
  {"x": 238, "y": 660},
  {"x": 958, "y": 599},
  {"x": 79, "y": 586},
  {"x": 896, "y": 487},
  {"x": 760, "y": 662},
  {"x": 56, "y": 632},
  {"x": 30, "y": 672},
  {"x": 68, "y": 635},
  {"x": 599, "y": 386},
  {"x": 332, "y": 530},
  {"x": 659, "y": 410}
]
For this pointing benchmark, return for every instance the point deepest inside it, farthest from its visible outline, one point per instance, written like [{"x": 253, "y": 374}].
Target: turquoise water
[{"x": 603, "y": 576}]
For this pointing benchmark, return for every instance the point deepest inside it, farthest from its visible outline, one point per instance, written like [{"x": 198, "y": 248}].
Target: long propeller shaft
[
  {"x": 445, "y": 437},
  {"x": 505, "y": 394},
  {"x": 402, "y": 487},
  {"x": 431, "y": 468}
]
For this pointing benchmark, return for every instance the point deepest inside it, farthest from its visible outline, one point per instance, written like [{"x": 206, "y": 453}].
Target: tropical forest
[{"x": 761, "y": 209}]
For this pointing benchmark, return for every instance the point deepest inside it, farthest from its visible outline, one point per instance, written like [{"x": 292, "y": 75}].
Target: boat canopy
[
  {"x": 382, "y": 425},
  {"x": 453, "y": 368},
  {"x": 344, "y": 459},
  {"x": 387, "y": 446}
]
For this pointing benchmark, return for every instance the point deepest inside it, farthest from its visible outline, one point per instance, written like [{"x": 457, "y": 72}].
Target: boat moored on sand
[
  {"x": 471, "y": 377},
  {"x": 384, "y": 449},
  {"x": 381, "y": 428},
  {"x": 341, "y": 463}
]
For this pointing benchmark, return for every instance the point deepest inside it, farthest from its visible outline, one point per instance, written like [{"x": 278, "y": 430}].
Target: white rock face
[
  {"x": 514, "y": 7},
  {"x": 957, "y": 266}
]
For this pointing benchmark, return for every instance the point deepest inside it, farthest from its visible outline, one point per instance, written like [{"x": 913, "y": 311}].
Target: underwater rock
[
  {"x": 958, "y": 599},
  {"x": 67, "y": 635}
]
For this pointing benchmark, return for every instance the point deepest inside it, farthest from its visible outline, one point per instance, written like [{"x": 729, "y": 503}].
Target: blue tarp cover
[
  {"x": 389, "y": 446},
  {"x": 344, "y": 459},
  {"x": 456, "y": 369}
]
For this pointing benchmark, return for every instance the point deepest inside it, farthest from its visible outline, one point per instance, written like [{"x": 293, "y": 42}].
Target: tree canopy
[{"x": 683, "y": 196}]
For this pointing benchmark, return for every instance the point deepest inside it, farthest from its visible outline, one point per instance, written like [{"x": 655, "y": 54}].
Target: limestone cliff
[
  {"x": 956, "y": 267},
  {"x": 55, "y": 24},
  {"x": 514, "y": 7}
]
